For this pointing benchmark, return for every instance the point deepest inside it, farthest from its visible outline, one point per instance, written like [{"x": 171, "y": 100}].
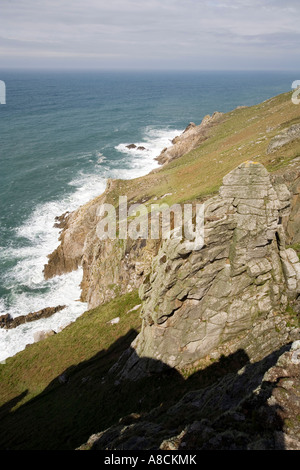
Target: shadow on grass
[
  {"x": 5, "y": 409},
  {"x": 85, "y": 399}
]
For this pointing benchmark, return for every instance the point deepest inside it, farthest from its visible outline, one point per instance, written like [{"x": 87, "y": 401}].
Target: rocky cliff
[
  {"x": 217, "y": 354},
  {"x": 222, "y": 142},
  {"x": 256, "y": 408},
  {"x": 290, "y": 177},
  {"x": 113, "y": 267},
  {"x": 232, "y": 293},
  {"x": 228, "y": 300},
  {"x": 191, "y": 138},
  {"x": 110, "y": 267}
]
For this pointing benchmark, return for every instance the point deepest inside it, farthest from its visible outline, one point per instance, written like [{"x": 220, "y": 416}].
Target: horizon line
[{"x": 75, "y": 69}]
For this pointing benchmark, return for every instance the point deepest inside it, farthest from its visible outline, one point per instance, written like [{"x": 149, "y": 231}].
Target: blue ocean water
[{"x": 62, "y": 134}]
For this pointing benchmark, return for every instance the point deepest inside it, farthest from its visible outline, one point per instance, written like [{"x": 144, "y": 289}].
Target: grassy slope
[
  {"x": 34, "y": 368},
  {"x": 244, "y": 134},
  {"x": 38, "y": 411},
  {"x": 87, "y": 348}
]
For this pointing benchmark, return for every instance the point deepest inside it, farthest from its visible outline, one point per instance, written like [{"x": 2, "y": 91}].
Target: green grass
[
  {"x": 40, "y": 412},
  {"x": 241, "y": 135},
  {"x": 294, "y": 320},
  {"x": 40, "y": 363},
  {"x": 37, "y": 411}
]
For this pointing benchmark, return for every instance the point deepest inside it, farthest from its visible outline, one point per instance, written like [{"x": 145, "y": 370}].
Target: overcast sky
[{"x": 153, "y": 34}]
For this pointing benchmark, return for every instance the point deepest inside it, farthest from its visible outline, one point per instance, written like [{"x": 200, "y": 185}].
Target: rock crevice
[{"x": 230, "y": 293}]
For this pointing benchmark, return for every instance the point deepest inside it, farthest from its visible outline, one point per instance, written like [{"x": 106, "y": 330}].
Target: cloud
[{"x": 193, "y": 33}]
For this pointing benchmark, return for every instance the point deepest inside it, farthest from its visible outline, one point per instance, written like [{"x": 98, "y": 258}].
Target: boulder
[
  {"x": 190, "y": 126},
  {"x": 61, "y": 220},
  {"x": 114, "y": 321},
  {"x": 43, "y": 334}
]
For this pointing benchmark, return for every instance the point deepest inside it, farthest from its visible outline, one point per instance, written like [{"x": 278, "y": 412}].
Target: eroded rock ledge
[
  {"x": 191, "y": 138},
  {"x": 7, "y": 322},
  {"x": 110, "y": 267},
  {"x": 229, "y": 295},
  {"x": 256, "y": 408}
]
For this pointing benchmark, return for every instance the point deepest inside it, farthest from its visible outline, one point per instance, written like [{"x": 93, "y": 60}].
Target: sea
[{"x": 62, "y": 134}]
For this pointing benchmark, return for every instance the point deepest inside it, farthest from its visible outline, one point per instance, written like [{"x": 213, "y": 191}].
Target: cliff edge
[{"x": 229, "y": 295}]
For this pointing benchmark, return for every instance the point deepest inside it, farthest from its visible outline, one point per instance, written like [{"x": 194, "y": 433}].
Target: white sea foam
[
  {"x": 29, "y": 292},
  {"x": 154, "y": 141},
  {"x": 63, "y": 290}
]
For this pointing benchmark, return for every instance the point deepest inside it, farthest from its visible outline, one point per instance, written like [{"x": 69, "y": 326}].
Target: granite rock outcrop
[
  {"x": 233, "y": 292},
  {"x": 255, "y": 408},
  {"x": 284, "y": 138},
  {"x": 191, "y": 138}
]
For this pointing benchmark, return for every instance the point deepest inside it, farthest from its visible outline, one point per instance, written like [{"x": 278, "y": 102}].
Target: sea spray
[{"x": 28, "y": 290}]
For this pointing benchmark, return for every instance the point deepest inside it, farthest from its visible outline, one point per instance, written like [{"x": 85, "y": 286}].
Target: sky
[{"x": 151, "y": 34}]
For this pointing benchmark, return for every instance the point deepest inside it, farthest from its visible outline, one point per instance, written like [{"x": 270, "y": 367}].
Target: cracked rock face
[
  {"x": 289, "y": 135},
  {"x": 290, "y": 177},
  {"x": 256, "y": 408},
  {"x": 110, "y": 267},
  {"x": 192, "y": 137},
  {"x": 230, "y": 293}
]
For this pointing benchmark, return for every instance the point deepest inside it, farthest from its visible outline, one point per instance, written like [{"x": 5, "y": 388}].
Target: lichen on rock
[{"x": 229, "y": 294}]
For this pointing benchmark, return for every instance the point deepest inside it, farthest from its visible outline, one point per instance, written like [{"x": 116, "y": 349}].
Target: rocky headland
[
  {"x": 231, "y": 294},
  {"x": 191, "y": 138},
  {"x": 213, "y": 362}
]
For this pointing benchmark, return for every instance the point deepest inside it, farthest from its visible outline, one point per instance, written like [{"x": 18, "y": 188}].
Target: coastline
[
  {"x": 231, "y": 308},
  {"x": 15, "y": 339},
  {"x": 77, "y": 281}
]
